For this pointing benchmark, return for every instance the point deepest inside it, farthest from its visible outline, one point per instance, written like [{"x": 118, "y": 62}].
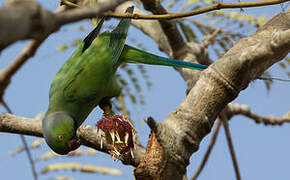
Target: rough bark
[{"x": 180, "y": 134}]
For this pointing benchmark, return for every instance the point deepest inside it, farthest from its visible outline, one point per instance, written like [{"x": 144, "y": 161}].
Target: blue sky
[{"x": 262, "y": 151}]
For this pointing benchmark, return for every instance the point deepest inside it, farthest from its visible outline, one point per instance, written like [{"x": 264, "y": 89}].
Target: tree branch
[
  {"x": 180, "y": 134},
  {"x": 208, "y": 151},
  {"x": 161, "y": 14},
  {"x": 24, "y": 142},
  {"x": 18, "y": 125},
  {"x": 149, "y": 27},
  {"x": 169, "y": 27},
  {"x": 224, "y": 120},
  {"x": 237, "y": 109},
  {"x": 36, "y": 22},
  {"x": 26, "y": 53},
  {"x": 216, "y": 6},
  {"x": 192, "y": 52},
  {"x": 31, "y": 48}
]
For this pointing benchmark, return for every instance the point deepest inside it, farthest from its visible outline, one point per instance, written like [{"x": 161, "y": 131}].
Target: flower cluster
[{"x": 119, "y": 132}]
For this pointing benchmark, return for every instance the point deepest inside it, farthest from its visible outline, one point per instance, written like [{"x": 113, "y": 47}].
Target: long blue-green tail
[{"x": 133, "y": 55}]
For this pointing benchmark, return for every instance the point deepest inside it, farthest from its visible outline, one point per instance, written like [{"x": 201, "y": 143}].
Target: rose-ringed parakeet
[{"x": 87, "y": 79}]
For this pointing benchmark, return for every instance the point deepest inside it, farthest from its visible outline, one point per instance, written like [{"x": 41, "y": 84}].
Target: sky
[{"x": 262, "y": 151}]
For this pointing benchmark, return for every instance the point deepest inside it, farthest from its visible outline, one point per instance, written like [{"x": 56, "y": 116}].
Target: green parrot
[{"x": 87, "y": 79}]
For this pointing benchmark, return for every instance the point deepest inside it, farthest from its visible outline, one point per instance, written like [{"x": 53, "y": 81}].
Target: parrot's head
[{"x": 59, "y": 131}]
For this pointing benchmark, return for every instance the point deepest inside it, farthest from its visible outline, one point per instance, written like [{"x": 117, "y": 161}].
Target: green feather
[{"x": 118, "y": 36}]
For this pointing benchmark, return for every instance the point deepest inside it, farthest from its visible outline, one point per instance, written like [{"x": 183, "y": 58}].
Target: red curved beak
[{"x": 74, "y": 144}]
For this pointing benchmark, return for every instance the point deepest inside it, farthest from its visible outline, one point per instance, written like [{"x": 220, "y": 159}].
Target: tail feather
[{"x": 134, "y": 55}]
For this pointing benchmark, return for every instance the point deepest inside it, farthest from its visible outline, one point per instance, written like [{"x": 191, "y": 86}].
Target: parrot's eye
[{"x": 60, "y": 137}]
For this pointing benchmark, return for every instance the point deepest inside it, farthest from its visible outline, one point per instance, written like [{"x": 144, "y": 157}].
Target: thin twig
[
  {"x": 209, "y": 39},
  {"x": 26, "y": 53},
  {"x": 238, "y": 109},
  {"x": 216, "y": 6},
  {"x": 224, "y": 119},
  {"x": 22, "y": 137},
  {"x": 5, "y": 105},
  {"x": 208, "y": 151},
  {"x": 69, "y": 4}
]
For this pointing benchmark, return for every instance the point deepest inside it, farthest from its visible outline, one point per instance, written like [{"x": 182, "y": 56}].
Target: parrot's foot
[
  {"x": 120, "y": 133},
  {"x": 106, "y": 106}
]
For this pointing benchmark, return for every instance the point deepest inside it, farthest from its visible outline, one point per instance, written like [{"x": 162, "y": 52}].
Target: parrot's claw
[{"x": 120, "y": 133}]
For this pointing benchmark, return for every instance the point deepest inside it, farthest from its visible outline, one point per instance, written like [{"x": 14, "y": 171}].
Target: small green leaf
[
  {"x": 130, "y": 71},
  {"x": 133, "y": 98},
  {"x": 76, "y": 42},
  {"x": 62, "y": 47}
]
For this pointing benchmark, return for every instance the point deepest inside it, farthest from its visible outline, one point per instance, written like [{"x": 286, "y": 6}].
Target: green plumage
[{"x": 88, "y": 77}]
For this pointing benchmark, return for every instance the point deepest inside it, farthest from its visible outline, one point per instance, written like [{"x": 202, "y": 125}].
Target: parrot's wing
[
  {"x": 85, "y": 75},
  {"x": 62, "y": 74},
  {"x": 90, "y": 37},
  {"x": 118, "y": 36},
  {"x": 83, "y": 78}
]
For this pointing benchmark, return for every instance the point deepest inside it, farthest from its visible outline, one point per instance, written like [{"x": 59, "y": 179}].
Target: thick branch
[
  {"x": 180, "y": 134},
  {"x": 36, "y": 22},
  {"x": 19, "y": 125},
  {"x": 25, "y": 54}
]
